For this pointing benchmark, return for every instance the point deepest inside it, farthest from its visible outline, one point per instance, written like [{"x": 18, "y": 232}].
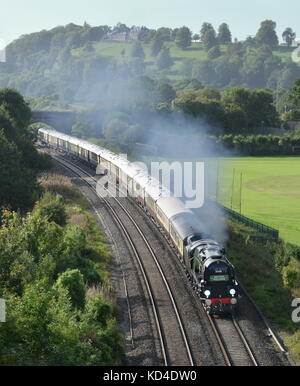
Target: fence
[{"x": 274, "y": 233}]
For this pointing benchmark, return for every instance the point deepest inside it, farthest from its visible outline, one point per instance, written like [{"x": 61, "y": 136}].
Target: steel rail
[{"x": 179, "y": 320}]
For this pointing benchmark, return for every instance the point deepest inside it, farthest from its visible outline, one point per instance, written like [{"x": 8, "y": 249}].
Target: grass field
[
  {"x": 268, "y": 191},
  {"x": 122, "y": 50},
  {"x": 265, "y": 189}
]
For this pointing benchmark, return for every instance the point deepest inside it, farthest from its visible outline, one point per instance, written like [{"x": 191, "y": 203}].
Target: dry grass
[
  {"x": 79, "y": 219},
  {"x": 59, "y": 184},
  {"x": 103, "y": 291}
]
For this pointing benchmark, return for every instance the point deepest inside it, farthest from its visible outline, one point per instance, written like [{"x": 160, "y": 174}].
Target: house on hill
[{"x": 129, "y": 36}]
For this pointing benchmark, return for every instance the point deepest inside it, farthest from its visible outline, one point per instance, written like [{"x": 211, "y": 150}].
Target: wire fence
[{"x": 262, "y": 228}]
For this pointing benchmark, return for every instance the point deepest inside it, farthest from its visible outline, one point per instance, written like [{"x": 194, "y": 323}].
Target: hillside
[
  {"x": 122, "y": 50},
  {"x": 86, "y": 65}
]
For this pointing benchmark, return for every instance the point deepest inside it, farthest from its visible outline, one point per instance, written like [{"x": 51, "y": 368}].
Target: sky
[{"x": 20, "y": 17}]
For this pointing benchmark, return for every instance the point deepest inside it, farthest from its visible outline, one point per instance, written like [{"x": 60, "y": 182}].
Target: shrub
[
  {"x": 72, "y": 281},
  {"x": 52, "y": 207}
]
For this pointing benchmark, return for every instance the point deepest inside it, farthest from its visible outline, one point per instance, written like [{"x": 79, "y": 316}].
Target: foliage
[
  {"x": 72, "y": 281},
  {"x": 164, "y": 93},
  {"x": 209, "y": 39},
  {"x": 43, "y": 275},
  {"x": 183, "y": 37},
  {"x": 255, "y": 145},
  {"x": 266, "y": 34},
  {"x": 289, "y": 36},
  {"x": 52, "y": 208},
  {"x": 164, "y": 59},
  {"x": 137, "y": 50},
  {"x": 80, "y": 64},
  {"x": 256, "y": 269},
  {"x": 238, "y": 108},
  {"x": 204, "y": 29},
  {"x": 294, "y": 94},
  {"x": 291, "y": 274},
  {"x": 20, "y": 160},
  {"x": 19, "y": 189},
  {"x": 224, "y": 34},
  {"x": 214, "y": 53}
]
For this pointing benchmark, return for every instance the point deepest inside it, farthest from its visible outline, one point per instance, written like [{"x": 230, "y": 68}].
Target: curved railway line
[
  {"x": 173, "y": 339},
  {"x": 166, "y": 313}
]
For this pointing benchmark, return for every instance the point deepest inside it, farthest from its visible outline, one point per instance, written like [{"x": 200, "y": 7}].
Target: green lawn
[
  {"x": 266, "y": 189},
  {"x": 115, "y": 49},
  {"x": 270, "y": 191},
  {"x": 122, "y": 50}
]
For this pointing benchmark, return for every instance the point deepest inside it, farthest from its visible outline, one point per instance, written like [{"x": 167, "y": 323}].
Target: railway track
[
  {"x": 232, "y": 341},
  {"x": 233, "y": 344},
  {"x": 171, "y": 333}
]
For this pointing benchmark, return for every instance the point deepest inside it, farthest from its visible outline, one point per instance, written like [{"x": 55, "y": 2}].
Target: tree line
[
  {"x": 19, "y": 159},
  {"x": 65, "y": 63},
  {"x": 53, "y": 261}
]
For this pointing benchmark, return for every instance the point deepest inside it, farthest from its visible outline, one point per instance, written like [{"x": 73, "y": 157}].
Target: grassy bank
[{"x": 264, "y": 269}]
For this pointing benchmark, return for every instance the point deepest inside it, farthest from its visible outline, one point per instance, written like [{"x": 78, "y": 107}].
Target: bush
[
  {"x": 52, "y": 207},
  {"x": 43, "y": 269},
  {"x": 291, "y": 274},
  {"x": 99, "y": 310},
  {"x": 72, "y": 281},
  {"x": 293, "y": 115}
]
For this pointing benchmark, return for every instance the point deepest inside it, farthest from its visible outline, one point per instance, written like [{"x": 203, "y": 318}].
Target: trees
[
  {"x": 208, "y": 36},
  {"x": 16, "y": 106},
  {"x": 52, "y": 208},
  {"x": 214, "y": 53},
  {"x": 205, "y": 28},
  {"x": 183, "y": 37},
  {"x": 120, "y": 27},
  {"x": 50, "y": 321},
  {"x": 156, "y": 45},
  {"x": 18, "y": 186},
  {"x": 137, "y": 50},
  {"x": 255, "y": 105},
  {"x": 72, "y": 281},
  {"x": 164, "y": 93},
  {"x": 194, "y": 104},
  {"x": 20, "y": 160},
  {"x": 162, "y": 35},
  {"x": 188, "y": 84},
  {"x": 224, "y": 34},
  {"x": 145, "y": 34},
  {"x": 81, "y": 129},
  {"x": 164, "y": 59},
  {"x": 294, "y": 94},
  {"x": 210, "y": 93},
  {"x": 209, "y": 39},
  {"x": 267, "y": 34},
  {"x": 289, "y": 36}
]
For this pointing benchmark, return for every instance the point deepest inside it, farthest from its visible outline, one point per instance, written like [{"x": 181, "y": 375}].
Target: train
[{"x": 209, "y": 270}]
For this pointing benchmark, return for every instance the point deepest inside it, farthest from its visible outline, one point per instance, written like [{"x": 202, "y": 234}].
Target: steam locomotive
[{"x": 211, "y": 274}]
